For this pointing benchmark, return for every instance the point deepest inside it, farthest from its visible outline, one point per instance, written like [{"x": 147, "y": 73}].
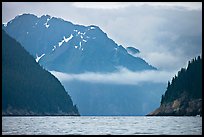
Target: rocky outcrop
[
  {"x": 11, "y": 111},
  {"x": 179, "y": 107}
]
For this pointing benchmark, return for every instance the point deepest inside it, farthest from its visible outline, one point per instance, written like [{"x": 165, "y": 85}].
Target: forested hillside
[
  {"x": 27, "y": 88},
  {"x": 184, "y": 93},
  {"x": 188, "y": 82}
]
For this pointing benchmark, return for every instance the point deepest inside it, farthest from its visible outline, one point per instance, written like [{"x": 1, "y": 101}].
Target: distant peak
[
  {"x": 32, "y": 15},
  {"x": 25, "y": 14}
]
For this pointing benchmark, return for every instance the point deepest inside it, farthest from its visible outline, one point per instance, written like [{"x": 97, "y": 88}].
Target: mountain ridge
[
  {"x": 71, "y": 45},
  {"x": 77, "y": 49}
]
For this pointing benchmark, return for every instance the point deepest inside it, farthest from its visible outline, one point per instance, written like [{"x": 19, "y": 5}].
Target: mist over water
[{"x": 92, "y": 125}]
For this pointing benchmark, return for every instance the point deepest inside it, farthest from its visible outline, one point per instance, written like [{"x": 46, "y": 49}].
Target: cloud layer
[
  {"x": 117, "y": 5},
  {"x": 123, "y": 76}
]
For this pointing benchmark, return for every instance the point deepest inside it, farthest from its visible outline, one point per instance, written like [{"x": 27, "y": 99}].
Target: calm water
[{"x": 86, "y": 125}]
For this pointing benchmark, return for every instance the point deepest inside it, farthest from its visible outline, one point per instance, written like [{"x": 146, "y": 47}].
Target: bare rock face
[{"x": 179, "y": 107}]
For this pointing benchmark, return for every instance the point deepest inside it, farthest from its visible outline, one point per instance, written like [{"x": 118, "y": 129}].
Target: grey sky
[{"x": 167, "y": 34}]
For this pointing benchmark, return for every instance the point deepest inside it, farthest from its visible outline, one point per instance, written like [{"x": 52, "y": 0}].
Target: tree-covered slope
[
  {"x": 28, "y": 89},
  {"x": 184, "y": 94}
]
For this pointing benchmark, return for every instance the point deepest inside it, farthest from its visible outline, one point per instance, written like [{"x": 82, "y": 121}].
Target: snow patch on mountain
[
  {"x": 68, "y": 39},
  {"x": 38, "y": 58},
  {"x": 84, "y": 40},
  {"x": 65, "y": 40},
  {"x": 46, "y": 23},
  {"x": 91, "y": 28},
  {"x": 5, "y": 24},
  {"x": 54, "y": 48},
  {"x": 60, "y": 43}
]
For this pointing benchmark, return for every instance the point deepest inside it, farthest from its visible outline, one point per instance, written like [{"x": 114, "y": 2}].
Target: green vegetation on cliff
[
  {"x": 27, "y": 88},
  {"x": 188, "y": 82},
  {"x": 183, "y": 96}
]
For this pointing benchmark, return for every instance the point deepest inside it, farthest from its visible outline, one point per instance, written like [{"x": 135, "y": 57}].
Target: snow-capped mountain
[
  {"x": 66, "y": 47},
  {"x": 62, "y": 46}
]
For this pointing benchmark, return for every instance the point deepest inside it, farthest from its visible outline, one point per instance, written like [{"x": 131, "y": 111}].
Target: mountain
[
  {"x": 184, "y": 94},
  {"x": 62, "y": 46},
  {"x": 27, "y": 88},
  {"x": 59, "y": 45},
  {"x": 101, "y": 99}
]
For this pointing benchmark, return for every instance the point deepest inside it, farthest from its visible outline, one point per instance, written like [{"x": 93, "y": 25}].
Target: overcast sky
[{"x": 167, "y": 34}]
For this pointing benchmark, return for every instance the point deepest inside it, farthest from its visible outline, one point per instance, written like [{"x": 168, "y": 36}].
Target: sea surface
[{"x": 100, "y": 125}]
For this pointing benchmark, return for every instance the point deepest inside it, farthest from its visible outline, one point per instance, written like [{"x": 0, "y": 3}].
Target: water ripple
[{"x": 65, "y": 125}]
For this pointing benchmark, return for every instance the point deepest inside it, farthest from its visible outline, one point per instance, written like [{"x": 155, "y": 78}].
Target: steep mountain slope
[
  {"x": 59, "y": 45},
  {"x": 184, "y": 94},
  {"x": 27, "y": 89},
  {"x": 62, "y": 46}
]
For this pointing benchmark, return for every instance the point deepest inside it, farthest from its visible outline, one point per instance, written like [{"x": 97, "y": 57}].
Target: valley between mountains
[{"x": 54, "y": 67}]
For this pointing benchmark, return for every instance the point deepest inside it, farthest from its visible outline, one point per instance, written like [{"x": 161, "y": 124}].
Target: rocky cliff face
[
  {"x": 11, "y": 111},
  {"x": 179, "y": 107}
]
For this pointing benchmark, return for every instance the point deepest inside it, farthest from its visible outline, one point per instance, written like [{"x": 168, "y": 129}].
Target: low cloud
[{"x": 123, "y": 76}]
